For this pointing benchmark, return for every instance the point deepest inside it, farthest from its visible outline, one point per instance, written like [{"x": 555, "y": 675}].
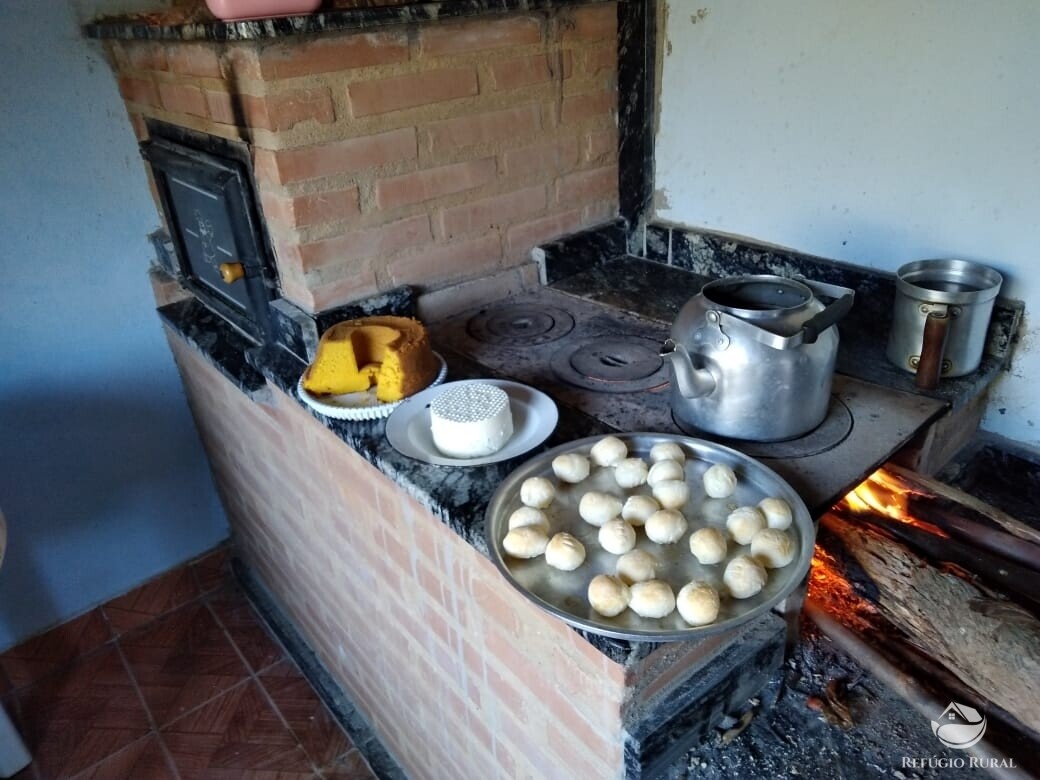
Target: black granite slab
[
  {"x": 586, "y": 249},
  {"x": 637, "y": 53},
  {"x": 345, "y": 20}
]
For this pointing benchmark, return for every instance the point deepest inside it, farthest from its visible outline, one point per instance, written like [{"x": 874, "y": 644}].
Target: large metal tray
[{"x": 563, "y": 593}]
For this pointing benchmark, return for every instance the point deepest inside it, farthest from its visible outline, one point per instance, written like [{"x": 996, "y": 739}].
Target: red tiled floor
[
  {"x": 80, "y": 715},
  {"x": 55, "y": 649},
  {"x": 237, "y": 615},
  {"x": 169, "y": 696},
  {"x": 305, "y": 713},
  {"x": 181, "y": 661},
  {"x": 235, "y": 734},
  {"x": 154, "y": 598}
]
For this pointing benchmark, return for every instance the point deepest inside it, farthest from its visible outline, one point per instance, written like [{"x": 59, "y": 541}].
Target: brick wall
[
  {"x": 424, "y": 155},
  {"x": 460, "y": 675}
]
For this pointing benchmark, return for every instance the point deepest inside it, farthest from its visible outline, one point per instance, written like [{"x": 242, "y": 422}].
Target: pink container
[{"x": 239, "y": 10}]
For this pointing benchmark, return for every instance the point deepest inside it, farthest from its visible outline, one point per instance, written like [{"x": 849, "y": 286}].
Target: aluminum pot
[
  {"x": 752, "y": 357},
  {"x": 941, "y": 314}
]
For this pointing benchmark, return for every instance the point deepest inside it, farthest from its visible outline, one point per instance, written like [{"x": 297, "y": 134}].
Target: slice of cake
[
  {"x": 471, "y": 420},
  {"x": 392, "y": 353}
]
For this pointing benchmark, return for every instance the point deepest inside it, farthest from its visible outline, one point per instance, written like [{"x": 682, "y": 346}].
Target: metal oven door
[{"x": 208, "y": 204}]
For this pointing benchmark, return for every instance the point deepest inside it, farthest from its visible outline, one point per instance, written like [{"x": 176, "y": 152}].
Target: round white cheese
[{"x": 471, "y": 420}]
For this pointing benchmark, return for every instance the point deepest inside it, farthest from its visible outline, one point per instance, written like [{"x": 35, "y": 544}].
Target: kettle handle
[{"x": 830, "y": 315}]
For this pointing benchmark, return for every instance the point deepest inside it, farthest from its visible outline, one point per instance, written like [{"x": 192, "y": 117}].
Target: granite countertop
[
  {"x": 458, "y": 496},
  {"x": 370, "y": 15}
]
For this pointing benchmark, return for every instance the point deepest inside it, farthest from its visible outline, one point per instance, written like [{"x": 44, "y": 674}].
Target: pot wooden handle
[{"x": 933, "y": 345}]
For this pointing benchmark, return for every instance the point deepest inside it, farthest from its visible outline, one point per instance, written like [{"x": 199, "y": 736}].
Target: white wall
[
  {"x": 102, "y": 478},
  {"x": 873, "y": 132}
]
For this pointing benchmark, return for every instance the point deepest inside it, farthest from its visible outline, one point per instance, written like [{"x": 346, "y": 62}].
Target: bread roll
[
  {"x": 698, "y": 603},
  {"x": 616, "y": 536},
  {"x": 708, "y": 545},
  {"x": 672, "y": 493},
  {"x": 527, "y": 541},
  {"x": 744, "y": 522},
  {"x": 665, "y": 470},
  {"x": 636, "y": 566},
  {"x": 608, "y": 595},
  {"x": 720, "y": 481},
  {"x": 777, "y": 511},
  {"x": 528, "y": 515},
  {"x": 773, "y": 548},
  {"x": 666, "y": 526},
  {"x": 571, "y": 467},
  {"x": 667, "y": 450},
  {"x": 652, "y": 599},
  {"x": 608, "y": 451},
  {"x": 596, "y": 507},
  {"x": 638, "y": 508},
  {"x": 564, "y": 552},
  {"x": 631, "y": 472},
  {"x": 744, "y": 577},
  {"x": 538, "y": 492}
]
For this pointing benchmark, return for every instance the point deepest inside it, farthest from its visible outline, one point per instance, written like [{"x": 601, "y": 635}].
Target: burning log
[{"x": 886, "y": 573}]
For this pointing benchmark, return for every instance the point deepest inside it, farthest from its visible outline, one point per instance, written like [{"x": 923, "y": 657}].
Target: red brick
[
  {"x": 593, "y": 105},
  {"x": 369, "y": 242},
  {"x": 221, "y": 107},
  {"x": 534, "y": 69},
  {"x": 431, "y": 183},
  {"x": 453, "y": 261},
  {"x": 592, "y": 22},
  {"x": 194, "y": 59},
  {"x": 545, "y": 157},
  {"x": 312, "y": 209},
  {"x": 183, "y": 99},
  {"x": 284, "y": 110},
  {"x": 477, "y": 35},
  {"x": 380, "y": 96},
  {"x": 600, "y": 146},
  {"x": 347, "y": 156},
  {"x": 528, "y": 235},
  {"x": 323, "y": 55},
  {"x": 601, "y": 59},
  {"x": 490, "y": 213},
  {"x": 139, "y": 91},
  {"x": 488, "y": 127},
  {"x": 584, "y": 186},
  {"x": 146, "y": 56}
]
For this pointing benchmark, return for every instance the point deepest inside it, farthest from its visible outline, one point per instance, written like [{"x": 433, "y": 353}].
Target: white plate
[
  {"x": 534, "y": 418},
  {"x": 360, "y": 406}
]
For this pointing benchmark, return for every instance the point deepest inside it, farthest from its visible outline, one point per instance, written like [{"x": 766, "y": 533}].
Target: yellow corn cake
[{"x": 392, "y": 353}]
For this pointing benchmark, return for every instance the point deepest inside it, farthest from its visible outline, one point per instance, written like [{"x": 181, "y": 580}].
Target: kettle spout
[{"x": 692, "y": 382}]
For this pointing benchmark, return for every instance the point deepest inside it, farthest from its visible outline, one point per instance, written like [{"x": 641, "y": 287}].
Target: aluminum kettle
[{"x": 752, "y": 357}]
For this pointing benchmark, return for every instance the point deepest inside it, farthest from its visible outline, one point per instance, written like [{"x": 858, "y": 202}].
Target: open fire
[{"x": 943, "y": 588}]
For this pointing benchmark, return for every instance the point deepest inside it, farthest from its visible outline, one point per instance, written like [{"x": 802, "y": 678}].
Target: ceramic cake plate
[
  {"x": 363, "y": 405},
  {"x": 534, "y": 418}
]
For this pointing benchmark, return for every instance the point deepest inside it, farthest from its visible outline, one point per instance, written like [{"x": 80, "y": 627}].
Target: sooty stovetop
[{"x": 604, "y": 362}]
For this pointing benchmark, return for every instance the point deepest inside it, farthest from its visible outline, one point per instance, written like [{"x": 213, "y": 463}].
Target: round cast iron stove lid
[
  {"x": 834, "y": 429},
  {"x": 614, "y": 363},
  {"x": 520, "y": 325}
]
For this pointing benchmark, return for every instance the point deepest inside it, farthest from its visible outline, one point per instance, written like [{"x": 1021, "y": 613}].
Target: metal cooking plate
[
  {"x": 563, "y": 593},
  {"x": 520, "y": 324},
  {"x": 612, "y": 364}
]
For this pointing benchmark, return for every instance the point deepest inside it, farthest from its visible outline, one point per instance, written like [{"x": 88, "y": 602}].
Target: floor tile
[
  {"x": 213, "y": 571},
  {"x": 351, "y": 766},
  {"x": 80, "y": 715},
  {"x": 181, "y": 661},
  {"x": 143, "y": 758},
  {"x": 149, "y": 601},
  {"x": 55, "y": 649},
  {"x": 246, "y": 629},
  {"x": 321, "y": 736},
  {"x": 235, "y": 735}
]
